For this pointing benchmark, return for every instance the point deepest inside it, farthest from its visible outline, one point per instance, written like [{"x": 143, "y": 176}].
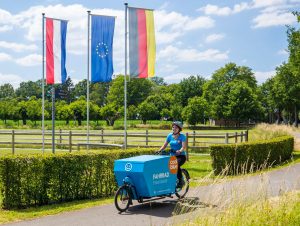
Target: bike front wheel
[
  {"x": 181, "y": 192},
  {"x": 122, "y": 198}
]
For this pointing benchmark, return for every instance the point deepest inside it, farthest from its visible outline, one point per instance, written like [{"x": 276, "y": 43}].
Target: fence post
[
  {"x": 235, "y": 137},
  {"x": 194, "y": 138},
  {"x": 60, "y": 138},
  {"x": 13, "y": 141},
  {"x": 226, "y": 138},
  {"x": 70, "y": 141},
  {"x": 242, "y": 135},
  {"x": 146, "y": 137},
  {"x": 246, "y": 135},
  {"x": 187, "y": 146},
  {"x": 102, "y": 137}
]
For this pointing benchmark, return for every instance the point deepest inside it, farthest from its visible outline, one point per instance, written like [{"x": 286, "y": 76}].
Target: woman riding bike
[{"x": 177, "y": 143}]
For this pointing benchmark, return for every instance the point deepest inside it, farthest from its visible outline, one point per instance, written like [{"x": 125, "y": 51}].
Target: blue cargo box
[{"x": 152, "y": 175}]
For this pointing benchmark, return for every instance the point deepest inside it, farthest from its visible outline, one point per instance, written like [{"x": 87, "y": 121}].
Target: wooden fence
[{"x": 70, "y": 140}]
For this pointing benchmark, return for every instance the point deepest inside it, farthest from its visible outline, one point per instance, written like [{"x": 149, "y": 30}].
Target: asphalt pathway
[{"x": 219, "y": 195}]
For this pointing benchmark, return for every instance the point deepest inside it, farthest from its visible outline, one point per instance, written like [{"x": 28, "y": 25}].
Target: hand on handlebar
[{"x": 158, "y": 152}]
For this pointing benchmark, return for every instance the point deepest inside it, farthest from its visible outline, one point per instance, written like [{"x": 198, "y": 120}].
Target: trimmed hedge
[
  {"x": 231, "y": 159},
  {"x": 44, "y": 179}
]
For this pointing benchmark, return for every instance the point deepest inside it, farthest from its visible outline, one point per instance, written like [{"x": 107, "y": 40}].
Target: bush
[
  {"x": 247, "y": 157},
  {"x": 44, "y": 179}
]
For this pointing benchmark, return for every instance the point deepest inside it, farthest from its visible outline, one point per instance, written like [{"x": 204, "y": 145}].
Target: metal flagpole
[
  {"x": 43, "y": 85},
  {"x": 88, "y": 82},
  {"x": 125, "y": 82},
  {"x": 53, "y": 119}
]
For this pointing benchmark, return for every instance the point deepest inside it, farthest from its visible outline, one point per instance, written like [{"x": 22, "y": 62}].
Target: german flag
[{"x": 142, "y": 47}]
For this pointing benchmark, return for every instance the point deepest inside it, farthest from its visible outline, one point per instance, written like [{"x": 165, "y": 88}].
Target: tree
[
  {"x": 138, "y": 90},
  {"x": 110, "y": 113},
  {"x": 65, "y": 91},
  {"x": 80, "y": 89},
  {"x": 147, "y": 111},
  {"x": 242, "y": 103},
  {"x": 158, "y": 81},
  {"x": 78, "y": 109},
  {"x": 294, "y": 63},
  {"x": 34, "y": 109},
  {"x": 29, "y": 89},
  {"x": 4, "y": 110},
  {"x": 216, "y": 89},
  {"x": 116, "y": 92},
  {"x": 63, "y": 111},
  {"x": 190, "y": 87},
  {"x": 196, "y": 110},
  {"x": 98, "y": 93},
  {"x": 7, "y": 91},
  {"x": 23, "y": 111}
]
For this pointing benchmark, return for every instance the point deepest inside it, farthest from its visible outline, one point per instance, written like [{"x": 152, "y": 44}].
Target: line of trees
[{"x": 232, "y": 94}]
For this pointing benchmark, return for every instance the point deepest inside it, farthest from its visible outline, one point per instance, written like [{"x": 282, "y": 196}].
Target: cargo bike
[{"x": 147, "y": 178}]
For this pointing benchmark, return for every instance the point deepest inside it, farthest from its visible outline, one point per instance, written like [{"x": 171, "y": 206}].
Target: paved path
[{"x": 267, "y": 184}]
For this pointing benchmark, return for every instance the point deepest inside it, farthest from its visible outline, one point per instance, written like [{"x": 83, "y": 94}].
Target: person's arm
[{"x": 164, "y": 146}]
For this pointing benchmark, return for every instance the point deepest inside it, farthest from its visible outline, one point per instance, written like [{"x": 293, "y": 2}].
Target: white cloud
[
  {"x": 168, "y": 68},
  {"x": 175, "y": 78},
  {"x": 6, "y": 21},
  {"x": 30, "y": 60},
  {"x": 16, "y": 47},
  {"x": 214, "y": 37},
  {"x": 199, "y": 22},
  {"x": 267, "y": 3},
  {"x": 13, "y": 79},
  {"x": 171, "y": 53},
  {"x": 216, "y": 10},
  {"x": 169, "y": 26},
  {"x": 224, "y": 11},
  {"x": 5, "y": 57},
  {"x": 275, "y": 18},
  {"x": 5, "y": 28},
  {"x": 263, "y": 76}
]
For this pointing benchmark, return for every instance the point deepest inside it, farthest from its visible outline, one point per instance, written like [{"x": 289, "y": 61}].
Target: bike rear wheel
[
  {"x": 181, "y": 192},
  {"x": 122, "y": 198}
]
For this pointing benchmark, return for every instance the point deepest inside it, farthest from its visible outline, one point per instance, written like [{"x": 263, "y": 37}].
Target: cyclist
[{"x": 177, "y": 143}]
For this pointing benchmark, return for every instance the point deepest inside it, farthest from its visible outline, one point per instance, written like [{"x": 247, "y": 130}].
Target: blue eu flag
[{"x": 101, "y": 48}]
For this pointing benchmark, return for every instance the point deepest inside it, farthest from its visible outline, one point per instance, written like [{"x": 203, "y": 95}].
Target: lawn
[{"x": 283, "y": 210}]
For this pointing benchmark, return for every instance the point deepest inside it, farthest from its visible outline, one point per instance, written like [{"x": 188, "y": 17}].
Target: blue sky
[{"x": 193, "y": 37}]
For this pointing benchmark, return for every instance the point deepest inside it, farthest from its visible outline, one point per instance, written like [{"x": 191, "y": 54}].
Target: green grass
[
  {"x": 199, "y": 167},
  {"x": 283, "y": 210},
  {"x": 201, "y": 161}
]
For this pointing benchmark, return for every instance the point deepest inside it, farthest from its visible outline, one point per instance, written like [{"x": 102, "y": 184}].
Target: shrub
[
  {"x": 44, "y": 179},
  {"x": 246, "y": 157}
]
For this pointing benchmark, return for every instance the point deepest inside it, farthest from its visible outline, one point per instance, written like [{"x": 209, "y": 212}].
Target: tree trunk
[{"x": 296, "y": 117}]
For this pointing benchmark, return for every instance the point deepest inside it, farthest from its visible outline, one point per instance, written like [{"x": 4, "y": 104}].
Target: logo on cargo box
[
  {"x": 128, "y": 166},
  {"x": 173, "y": 165}
]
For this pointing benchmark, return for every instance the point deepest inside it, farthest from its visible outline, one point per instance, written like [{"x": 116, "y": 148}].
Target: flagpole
[
  {"x": 125, "y": 82},
  {"x": 43, "y": 81},
  {"x": 53, "y": 119},
  {"x": 88, "y": 82}
]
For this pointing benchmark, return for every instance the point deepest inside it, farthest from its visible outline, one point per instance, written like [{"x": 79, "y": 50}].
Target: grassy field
[
  {"x": 283, "y": 210},
  {"x": 199, "y": 167},
  {"x": 200, "y": 170}
]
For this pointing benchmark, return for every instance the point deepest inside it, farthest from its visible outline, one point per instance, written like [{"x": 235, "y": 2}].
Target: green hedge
[
  {"x": 44, "y": 179},
  {"x": 252, "y": 156}
]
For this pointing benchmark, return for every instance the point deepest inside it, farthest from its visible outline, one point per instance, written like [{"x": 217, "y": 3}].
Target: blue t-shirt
[{"x": 176, "y": 144}]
